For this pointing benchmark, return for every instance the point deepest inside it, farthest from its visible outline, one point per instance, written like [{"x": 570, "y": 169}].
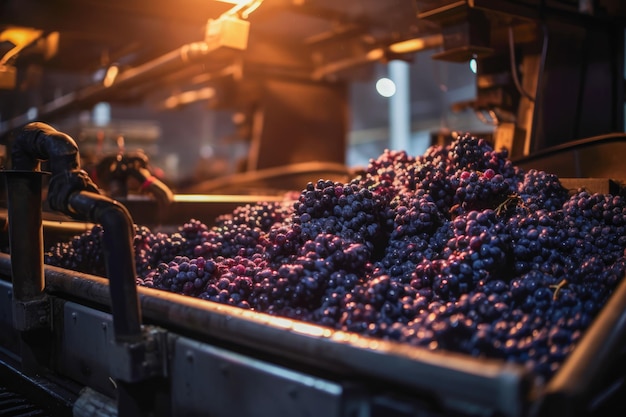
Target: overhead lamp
[
  {"x": 20, "y": 37},
  {"x": 473, "y": 64},
  {"x": 188, "y": 97},
  {"x": 242, "y": 7},
  {"x": 416, "y": 44},
  {"x": 231, "y": 29},
  {"x": 110, "y": 76}
]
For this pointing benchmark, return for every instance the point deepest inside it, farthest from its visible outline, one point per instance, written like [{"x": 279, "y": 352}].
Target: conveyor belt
[{"x": 15, "y": 405}]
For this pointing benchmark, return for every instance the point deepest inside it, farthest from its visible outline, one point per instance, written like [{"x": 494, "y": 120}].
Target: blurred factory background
[
  {"x": 180, "y": 141},
  {"x": 214, "y": 88},
  {"x": 190, "y": 139},
  {"x": 194, "y": 142}
]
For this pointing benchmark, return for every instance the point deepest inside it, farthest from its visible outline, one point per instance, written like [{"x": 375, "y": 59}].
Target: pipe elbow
[
  {"x": 161, "y": 192},
  {"x": 114, "y": 216},
  {"x": 38, "y": 142},
  {"x": 119, "y": 257},
  {"x": 98, "y": 208},
  {"x": 71, "y": 191}
]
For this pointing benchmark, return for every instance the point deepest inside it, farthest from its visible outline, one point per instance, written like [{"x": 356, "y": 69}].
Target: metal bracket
[
  {"x": 138, "y": 361},
  {"x": 32, "y": 314}
]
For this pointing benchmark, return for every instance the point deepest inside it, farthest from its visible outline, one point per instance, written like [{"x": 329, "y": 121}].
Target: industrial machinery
[{"x": 550, "y": 76}]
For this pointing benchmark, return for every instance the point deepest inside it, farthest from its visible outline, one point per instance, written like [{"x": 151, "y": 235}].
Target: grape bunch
[
  {"x": 457, "y": 249},
  {"x": 82, "y": 253},
  {"x": 478, "y": 190}
]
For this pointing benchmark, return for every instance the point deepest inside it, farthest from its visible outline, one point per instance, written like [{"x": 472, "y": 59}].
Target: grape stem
[
  {"x": 557, "y": 288},
  {"x": 512, "y": 199}
]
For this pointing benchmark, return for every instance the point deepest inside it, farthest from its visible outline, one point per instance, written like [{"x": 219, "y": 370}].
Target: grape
[
  {"x": 456, "y": 250},
  {"x": 481, "y": 190},
  {"x": 83, "y": 253},
  {"x": 540, "y": 190},
  {"x": 262, "y": 215}
]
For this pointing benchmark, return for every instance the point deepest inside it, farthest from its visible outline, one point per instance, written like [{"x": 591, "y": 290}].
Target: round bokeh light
[{"x": 385, "y": 87}]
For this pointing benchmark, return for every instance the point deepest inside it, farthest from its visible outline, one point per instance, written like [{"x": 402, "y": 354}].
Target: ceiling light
[
  {"x": 243, "y": 8},
  {"x": 20, "y": 37},
  {"x": 416, "y": 44},
  {"x": 473, "y": 64},
  {"x": 110, "y": 76}
]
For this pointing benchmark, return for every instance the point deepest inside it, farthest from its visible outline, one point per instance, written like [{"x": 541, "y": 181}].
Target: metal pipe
[
  {"x": 25, "y": 233},
  {"x": 152, "y": 184},
  {"x": 39, "y": 141},
  {"x": 24, "y": 197},
  {"x": 169, "y": 62},
  {"x": 72, "y": 192},
  {"x": 119, "y": 259}
]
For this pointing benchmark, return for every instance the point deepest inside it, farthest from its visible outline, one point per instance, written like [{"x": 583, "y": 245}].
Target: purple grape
[{"x": 456, "y": 250}]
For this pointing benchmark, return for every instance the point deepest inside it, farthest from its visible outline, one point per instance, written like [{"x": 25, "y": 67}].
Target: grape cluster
[
  {"x": 457, "y": 249},
  {"x": 481, "y": 190},
  {"x": 82, "y": 253},
  {"x": 539, "y": 189},
  {"x": 351, "y": 211}
]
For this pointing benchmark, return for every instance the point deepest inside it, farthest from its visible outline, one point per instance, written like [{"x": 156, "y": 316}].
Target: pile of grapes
[{"x": 457, "y": 249}]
